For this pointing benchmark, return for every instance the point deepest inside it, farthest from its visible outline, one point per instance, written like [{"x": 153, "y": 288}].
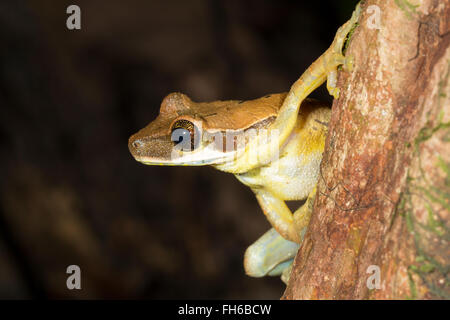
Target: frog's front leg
[{"x": 325, "y": 67}]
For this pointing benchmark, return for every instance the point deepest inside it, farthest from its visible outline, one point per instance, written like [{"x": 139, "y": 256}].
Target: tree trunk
[{"x": 383, "y": 201}]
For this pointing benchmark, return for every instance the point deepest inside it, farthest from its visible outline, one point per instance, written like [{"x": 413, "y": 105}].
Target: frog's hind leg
[{"x": 270, "y": 255}]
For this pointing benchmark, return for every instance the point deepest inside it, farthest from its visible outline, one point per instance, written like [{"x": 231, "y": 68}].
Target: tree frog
[{"x": 273, "y": 145}]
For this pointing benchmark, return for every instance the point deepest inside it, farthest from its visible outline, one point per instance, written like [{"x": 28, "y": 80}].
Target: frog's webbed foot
[{"x": 270, "y": 255}]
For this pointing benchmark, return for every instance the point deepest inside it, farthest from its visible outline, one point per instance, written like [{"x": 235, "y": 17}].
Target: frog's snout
[
  {"x": 150, "y": 150},
  {"x": 135, "y": 145}
]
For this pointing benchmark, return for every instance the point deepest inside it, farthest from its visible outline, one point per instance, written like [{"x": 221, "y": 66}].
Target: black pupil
[
  {"x": 181, "y": 135},
  {"x": 183, "y": 132}
]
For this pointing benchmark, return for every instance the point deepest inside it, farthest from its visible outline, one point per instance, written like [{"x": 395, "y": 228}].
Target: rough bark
[{"x": 384, "y": 192}]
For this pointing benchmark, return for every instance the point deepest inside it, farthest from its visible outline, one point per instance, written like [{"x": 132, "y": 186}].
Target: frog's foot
[
  {"x": 286, "y": 275},
  {"x": 336, "y": 60},
  {"x": 270, "y": 255},
  {"x": 334, "y": 56}
]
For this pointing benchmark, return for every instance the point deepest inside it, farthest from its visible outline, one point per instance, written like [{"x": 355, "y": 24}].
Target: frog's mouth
[
  {"x": 185, "y": 160},
  {"x": 162, "y": 151}
]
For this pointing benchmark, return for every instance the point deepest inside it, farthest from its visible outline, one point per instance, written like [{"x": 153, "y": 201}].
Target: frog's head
[{"x": 190, "y": 133}]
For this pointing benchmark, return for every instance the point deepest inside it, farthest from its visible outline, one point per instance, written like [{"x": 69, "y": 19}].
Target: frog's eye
[{"x": 185, "y": 135}]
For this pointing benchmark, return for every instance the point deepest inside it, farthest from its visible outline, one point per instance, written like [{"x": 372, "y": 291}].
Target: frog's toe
[
  {"x": 332, "y": 84},
  {"x": 347, "y": 27},
  {"x": 286, "y": 274},
  {"x": 348, "y": 63},
  {"x": 335, "y": 92},
  {"x": 344, "y": 30},
  {"x": 270, "y": 255},
  {"x": 356, "y": 13}
]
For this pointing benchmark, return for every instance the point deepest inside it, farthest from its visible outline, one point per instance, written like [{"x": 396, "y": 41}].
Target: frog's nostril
[{"x": 136, "y": 144}]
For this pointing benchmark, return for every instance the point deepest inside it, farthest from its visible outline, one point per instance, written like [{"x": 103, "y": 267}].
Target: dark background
[{"x": 70, "y": 192}]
